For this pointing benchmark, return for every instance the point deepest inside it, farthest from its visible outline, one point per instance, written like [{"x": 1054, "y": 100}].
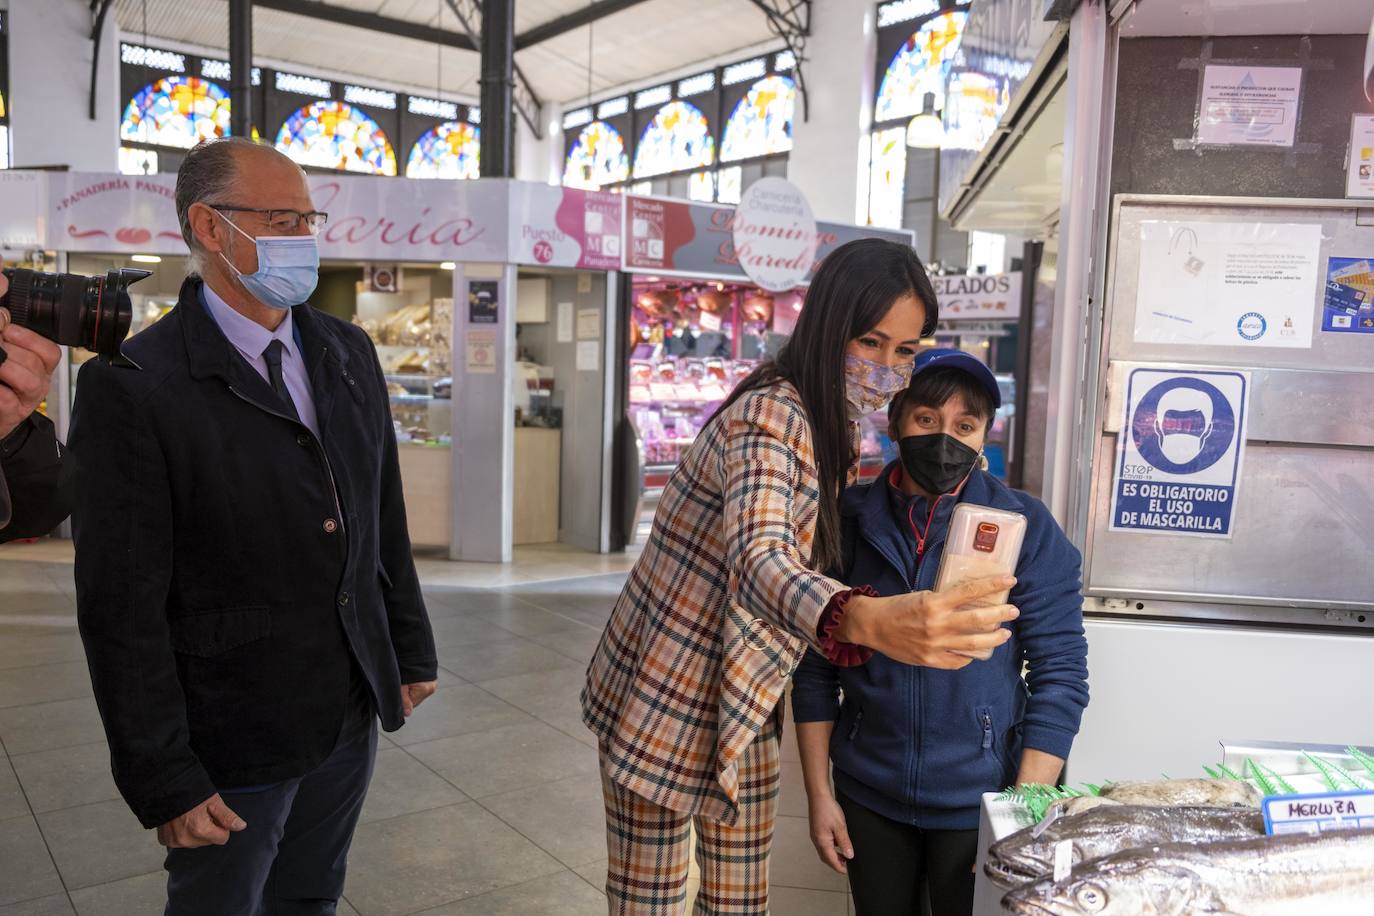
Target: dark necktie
[{"x": 272, "y": 355}]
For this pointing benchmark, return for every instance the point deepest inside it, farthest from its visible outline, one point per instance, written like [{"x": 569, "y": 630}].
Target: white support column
[
  {"x": 830, "y": 149},
  {"x": 483, "y": 423},
  {"x": 539, "y": 159},
  {"x": 50, "y": 83},
  {"x": 1082, "y": 227}
]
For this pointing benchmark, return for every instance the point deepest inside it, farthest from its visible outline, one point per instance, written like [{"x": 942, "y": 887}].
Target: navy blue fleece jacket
[{"x": 920, "y": 745}]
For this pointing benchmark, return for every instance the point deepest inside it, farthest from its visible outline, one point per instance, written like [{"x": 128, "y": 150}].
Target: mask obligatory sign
[{"x": 1182, "y": 444}]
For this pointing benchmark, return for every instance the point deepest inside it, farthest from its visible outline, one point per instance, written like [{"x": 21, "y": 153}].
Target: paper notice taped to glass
[
  {"x": 588, "y": 355},
  {"x": 1249, "y": 106},
  {"x": 1228, "y": 284}
]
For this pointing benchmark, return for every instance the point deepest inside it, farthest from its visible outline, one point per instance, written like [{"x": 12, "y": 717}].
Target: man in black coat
[
  {"x": 245, "y": 587},
  {"x": 34, "y": 490}
]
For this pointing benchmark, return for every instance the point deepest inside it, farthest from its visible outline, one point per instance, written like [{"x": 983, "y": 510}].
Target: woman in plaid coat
[{"x": 683, "y": 691}]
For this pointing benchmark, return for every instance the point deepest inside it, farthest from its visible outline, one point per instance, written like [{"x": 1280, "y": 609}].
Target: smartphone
[{"x": 982, "y": 542}]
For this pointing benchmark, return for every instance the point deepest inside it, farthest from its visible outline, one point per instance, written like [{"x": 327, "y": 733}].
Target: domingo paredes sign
[{"x": 775, "y": 235}]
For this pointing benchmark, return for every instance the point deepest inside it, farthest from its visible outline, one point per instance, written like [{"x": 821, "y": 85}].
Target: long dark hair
[{"x": 853, "y": 289}]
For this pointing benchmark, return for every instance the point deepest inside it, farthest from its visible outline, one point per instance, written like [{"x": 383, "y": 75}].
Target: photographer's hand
[{"x": 25, "y": 371}]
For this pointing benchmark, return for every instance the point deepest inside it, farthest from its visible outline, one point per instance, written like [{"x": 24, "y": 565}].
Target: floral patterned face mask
[{"x": 869, "y": 386}]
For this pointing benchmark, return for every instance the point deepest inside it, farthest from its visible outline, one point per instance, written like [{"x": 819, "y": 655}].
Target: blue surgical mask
[{"x": 288, "y": 268}]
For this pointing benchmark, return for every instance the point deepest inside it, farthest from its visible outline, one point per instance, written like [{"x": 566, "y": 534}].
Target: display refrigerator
[{"x": 691, "y": 342}]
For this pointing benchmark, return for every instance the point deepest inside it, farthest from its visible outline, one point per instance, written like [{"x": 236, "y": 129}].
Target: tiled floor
[{"x": 487, "y": 804}]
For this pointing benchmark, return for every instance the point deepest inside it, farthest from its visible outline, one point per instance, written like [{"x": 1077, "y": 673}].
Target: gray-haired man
[{"x": 245, "y": 588}]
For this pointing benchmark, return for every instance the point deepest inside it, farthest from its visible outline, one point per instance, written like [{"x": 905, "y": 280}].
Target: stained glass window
[
  {"x": 177, "y": 111},
  {"x": 449, "y": 150},
  {"x": 728, "y": 185},
  {"x": 761, "y": 123},
  {"x": 597, "y": 158},
  {"x": 133, "y": 161},
  {"x": 920, "y": 66},
  {"x": 335, "y": 135},
  {"x": 887, "y": 178},
  {"x": 973, "y": 106},
  {"x": 679, "y": 138},
  {"x": 702, "y": 187}
]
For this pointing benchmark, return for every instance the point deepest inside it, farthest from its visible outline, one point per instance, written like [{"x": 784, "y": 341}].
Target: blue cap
[{"x": 939, "y": 357}]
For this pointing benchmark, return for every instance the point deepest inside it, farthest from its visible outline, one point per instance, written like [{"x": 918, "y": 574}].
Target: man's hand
[
  {"x": 413, "y": 695},
  {"x": 25, "y": 372},
  {"x": 926, "y": 628},
  {"x": 208, "y": 823}
]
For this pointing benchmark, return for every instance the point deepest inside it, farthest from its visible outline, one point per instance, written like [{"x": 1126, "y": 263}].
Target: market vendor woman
[
  {"x": 914, "y": 749},
  {"x": 683, "y": 691}
]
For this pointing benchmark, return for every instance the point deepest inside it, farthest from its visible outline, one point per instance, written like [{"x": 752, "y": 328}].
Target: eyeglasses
[{"x": 283, "y": 221}]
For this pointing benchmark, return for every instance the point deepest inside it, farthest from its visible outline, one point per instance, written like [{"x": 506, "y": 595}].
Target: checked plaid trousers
[{"x": 649, "y": 846}]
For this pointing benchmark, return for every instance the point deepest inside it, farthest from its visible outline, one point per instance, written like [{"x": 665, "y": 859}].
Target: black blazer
[
  {"x": 35, "y": 485},
  {"x": 228, "y": 563}
]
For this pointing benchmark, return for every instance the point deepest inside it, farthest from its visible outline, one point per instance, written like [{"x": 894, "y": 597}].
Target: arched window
[
  {"x": 920, "y": 66},
  {"x": 4, "y": 137},
  {"x": 335, "y": 135},
  {"x": 177, "y": 111},
  {"x": 597, "y": 158},
  {"x": 973, "y": 106},
  {"x": 761, "y": 123},
  {"x": 679, "y": 138},
  {"x": 887, "y": 178},
  {"x": 449, "y": 150}
]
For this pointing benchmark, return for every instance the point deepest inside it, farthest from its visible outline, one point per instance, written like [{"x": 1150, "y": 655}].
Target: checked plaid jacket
[{"x": 717, "y": 612}]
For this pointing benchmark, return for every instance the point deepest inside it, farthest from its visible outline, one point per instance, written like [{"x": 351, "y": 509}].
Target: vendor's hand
[
  {"x": 207, "y": 824},
  {"x": 25, "y": 372},
  {"x": 829, "y": 833},
  {"x": 926, "y": 628},
  {"x": 413, "y": 695}
]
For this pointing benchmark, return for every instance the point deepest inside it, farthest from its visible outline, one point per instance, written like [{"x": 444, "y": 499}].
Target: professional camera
[{"x": 90, "y": 312}]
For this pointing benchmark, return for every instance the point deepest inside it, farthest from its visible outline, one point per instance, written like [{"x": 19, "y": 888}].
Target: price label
[
  {"x": 1318, "y": 813},
  {"x": 1063, "y": 859}
]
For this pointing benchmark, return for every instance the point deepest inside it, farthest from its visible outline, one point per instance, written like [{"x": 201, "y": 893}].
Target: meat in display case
[{"x": 691, "y": 343}]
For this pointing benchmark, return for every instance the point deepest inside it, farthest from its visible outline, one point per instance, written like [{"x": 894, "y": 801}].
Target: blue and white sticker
[
  {"x": 1182, "y": 444},
  {"x": 1319, "y": 812},
  {"x": 1251, "y": 326}
]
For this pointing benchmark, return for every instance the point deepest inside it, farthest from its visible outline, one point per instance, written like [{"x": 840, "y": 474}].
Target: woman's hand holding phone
[{"x": 932, "y": 629}]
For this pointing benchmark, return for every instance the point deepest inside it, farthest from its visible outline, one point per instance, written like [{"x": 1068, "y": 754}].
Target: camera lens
[{"x": 90, "y": 312}]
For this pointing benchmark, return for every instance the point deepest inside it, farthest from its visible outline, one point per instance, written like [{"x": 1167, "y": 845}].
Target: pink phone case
[{"x": 982, "y": 542}]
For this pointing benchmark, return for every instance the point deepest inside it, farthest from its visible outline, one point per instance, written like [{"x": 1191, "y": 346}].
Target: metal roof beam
[
  {"x": 575, "y": 20},
  {"x": 523, "y": 96},
  {"x": 403, "y": 28}
]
